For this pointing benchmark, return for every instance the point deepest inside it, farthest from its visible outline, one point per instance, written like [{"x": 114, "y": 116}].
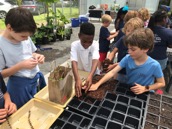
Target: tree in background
[
  {"x": 47, "y": 4},
  {"x": 19, "y": 2}
]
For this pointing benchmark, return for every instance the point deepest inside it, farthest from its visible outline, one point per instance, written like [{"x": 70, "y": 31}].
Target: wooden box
[
  {"x": 42, "y": 116},
  {"x": 44, "y": 96}
]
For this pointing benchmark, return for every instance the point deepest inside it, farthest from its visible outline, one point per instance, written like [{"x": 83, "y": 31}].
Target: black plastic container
[
  {"x": 75, "y": 119},
  {"x": 99, "y": 123},
  {"x": 85, "y": 105},
  {"x": 111, "y": 96},
  {"x": 130, "y": 94},
  {"x": 58, "y": 124},
  {"x": 74, "y": 103},
  {"x": 120, "y": 90},
  {"x": 136, "y": 113},
  {"x": 65, "y": 115},
  {"x": 121, "y": 108},
  {"x": 136, "y": 103},
  {"x": 103, "y": 112},
  {"x": 132, "y": 122},
  {"x": 69, "y": 126},
  {"x": 113, "y": 125},
  {"x": 123, "y": 99},
  {"x": 118, "y": 117},
  {"x": 143, "y": 96},
  {"x": 85, "y": 123},
  {"x": 71, "y": 120},
  {"x": 108, "y": 104}
]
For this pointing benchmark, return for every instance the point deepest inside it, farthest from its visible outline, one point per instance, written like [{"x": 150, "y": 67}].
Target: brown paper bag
[{"x": 60, "y": 84}]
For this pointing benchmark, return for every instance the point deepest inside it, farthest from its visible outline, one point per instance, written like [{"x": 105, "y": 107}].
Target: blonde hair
[
  {"x": 130, "y": 14},
  {"x": 106, "y": 18},
  {"x": 144, "y": 14},
  {"x": 135, "y": 23}
]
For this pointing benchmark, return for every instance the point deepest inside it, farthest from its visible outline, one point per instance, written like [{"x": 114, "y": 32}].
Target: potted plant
[
  {"x": 37, "y": 38},
  {"x": 61, "y": 33},
  {"x": 68, "y": 33}
]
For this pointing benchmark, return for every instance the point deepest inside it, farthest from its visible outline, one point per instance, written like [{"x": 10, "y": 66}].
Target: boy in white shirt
[{"x": 84, "y": 56}]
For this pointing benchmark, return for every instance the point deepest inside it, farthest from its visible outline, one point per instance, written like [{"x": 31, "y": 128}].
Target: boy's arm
[
  {"x": 91, "y": 74},
  {"x": 10, "y": 106},
  {"x": 11, "y": 71},
  {"x": 25, "y": 64},
  {"x": 111, "y": 36},
  {"x": 139, "y": 89},
  {"x": 112, "y": 54},
  {"x": 78, "y": 82},
  {"x": 107, "y": 76}
]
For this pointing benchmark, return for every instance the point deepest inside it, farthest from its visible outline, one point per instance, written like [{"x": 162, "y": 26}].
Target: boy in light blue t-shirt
[{"x": 143, "y": 72}]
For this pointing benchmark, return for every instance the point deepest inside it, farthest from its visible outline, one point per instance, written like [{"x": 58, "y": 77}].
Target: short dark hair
[
  {"x": 87, "y": 28},
  {"x": 157, "y": 17},
  {"x": 142, "y": 38},
  {"x": 21, "y": 20}
]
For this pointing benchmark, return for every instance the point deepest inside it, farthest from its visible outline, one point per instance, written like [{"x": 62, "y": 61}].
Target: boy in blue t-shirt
[
  {"x": 6, "y": 106},
  {"x": 121, "y": 49},
  {"x": 143, "y": 72}
]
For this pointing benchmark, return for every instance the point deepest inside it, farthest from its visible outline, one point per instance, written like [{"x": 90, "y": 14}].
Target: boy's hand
[
  {"x": 93, "y": 87},
  {"x": 29, "y": 63},
  {"x": 87, "y": 84},
  {"x": 138, "y": 89},
  {"x": 78, "y": 85},
  {"x": 40, "y": 58},
  {"x": 11, "y": 107},
  {"x": 3, "y": 114},
  {"x": 111, "y": 66}
]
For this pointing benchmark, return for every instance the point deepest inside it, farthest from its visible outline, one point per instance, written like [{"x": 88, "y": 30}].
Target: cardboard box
[{"x": 42, "y": 116}]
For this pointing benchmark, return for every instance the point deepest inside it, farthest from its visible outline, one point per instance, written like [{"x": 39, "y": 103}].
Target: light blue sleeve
[
  {"x": 158, "y": 71},
  {"x": 33, "y": 47},
  {"x": 2, "y": 60},
  {"x": 123, "y": 62}
]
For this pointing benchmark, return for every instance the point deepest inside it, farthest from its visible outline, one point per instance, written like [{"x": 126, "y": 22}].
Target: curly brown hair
[
  {"x": 135, "y": 23},
  {"x": 130, "y": 14},
  {"x": 142, "y": 38},
  {"x": 144, "y": 14}
]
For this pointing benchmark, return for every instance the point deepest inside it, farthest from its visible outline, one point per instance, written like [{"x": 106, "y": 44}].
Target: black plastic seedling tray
[
  {"x": 71, "y": 120},
  {"x": 86, "y": 105},
  {"x": 131, "y": 105},
  {"x": 159, "y": 112},
  {"x": 121, "y": 109}
]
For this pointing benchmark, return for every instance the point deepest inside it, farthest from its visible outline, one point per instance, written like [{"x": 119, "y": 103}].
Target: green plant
[
  {"x": 47, "y": 4},
  {"x": 61, "y": 31},
  {"x": 67, "y": 31},
  {"x": 19, "y": 2}
]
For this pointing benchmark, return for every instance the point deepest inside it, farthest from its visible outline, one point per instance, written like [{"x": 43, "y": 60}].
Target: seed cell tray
[
  {"x": 159, "y": 113},
  {"x": 42, "y": 116},
  {"x": 86, "y": 105},
  {"x": 99, "y": 123},
  {"x": 124, "y": 89},
  {"x": 72, "y": 120}
]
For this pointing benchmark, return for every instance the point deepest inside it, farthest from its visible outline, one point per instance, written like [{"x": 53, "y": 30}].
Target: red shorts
[{"x": 102, "y": 56}]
